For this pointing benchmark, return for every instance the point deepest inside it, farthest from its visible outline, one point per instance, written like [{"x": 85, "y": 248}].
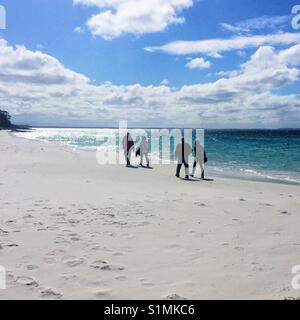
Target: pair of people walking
[
  {"x": 142, "y": 151},
  {"x": 182, "y": 154}
]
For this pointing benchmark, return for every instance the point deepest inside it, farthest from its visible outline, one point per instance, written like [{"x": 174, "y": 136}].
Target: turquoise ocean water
[{"x": 269, "y": 155}]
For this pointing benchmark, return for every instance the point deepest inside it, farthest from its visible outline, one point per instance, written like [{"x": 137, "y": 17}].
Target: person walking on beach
[
  {"x": 128, "y": 146},
  {"x": 144, "y": 151},
  {"x": 182, "y": 153},
  {"x": 200, "y": 157}
]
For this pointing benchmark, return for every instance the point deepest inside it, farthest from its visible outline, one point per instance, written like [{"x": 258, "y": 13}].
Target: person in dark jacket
[
  {"x": 128, "y": 146},
  {"x": 182, "y": 153}
]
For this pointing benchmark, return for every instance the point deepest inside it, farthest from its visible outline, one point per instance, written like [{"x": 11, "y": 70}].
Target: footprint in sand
[
  {"x": 56, "y": 252},
  {"x": 200, "y": 204},
  {"x": 12, "y": 245},
  {"x": 128, "y": 236},
  {"x": 50, "y": 260},
  {"x": 68, "y": 276},
  {"x": 120, "y": 278},
  {"x": 109, "y": 234},
  {"x": 95, "y": 248},
  {"x": 60, "y": 240},
  {"x": 10, "y": 222},
  {"x": 58, "y": 214},
  {"x": 261, "y": 268},
  {"x": 31, "y": 267},
  {"x": 146, "y": 284},
  {"x": 37, "y": 205},
  {"x": 72, "y": 261},
  {"x": 174, "y": 296},
  {"x": 73, "y": 221},
  {"x": 286, "y": 213},
  {"x": 266, "y": 204},
  {"x": 47, "y": 208},
  {"x": 75, "y": 239},
  {"x": 239, "y": 248},
  {"x": 118, "y": 254},
  {"x": 172, "y": 246},
  {"x": 103, "y": 294},
  {"x": 50, "y": 294},
  {"x": 28, "y": 216},
  {"x": 103, "y": 265},
  {"x": 38, "y": 224},
  {"x": 27, "y": 281},
  {"x": 3, "y": 232}
]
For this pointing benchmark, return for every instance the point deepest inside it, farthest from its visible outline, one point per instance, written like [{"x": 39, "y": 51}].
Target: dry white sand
[{"x": 72, "y": 229}]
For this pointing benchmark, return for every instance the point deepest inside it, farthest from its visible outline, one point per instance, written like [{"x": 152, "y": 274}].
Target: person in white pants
[
  {"x": 144, "y": 151},
  {"x": 199, "y": 158}
]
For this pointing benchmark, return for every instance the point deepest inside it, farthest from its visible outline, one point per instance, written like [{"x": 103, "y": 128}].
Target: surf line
[{"x": 114, "y": 310}]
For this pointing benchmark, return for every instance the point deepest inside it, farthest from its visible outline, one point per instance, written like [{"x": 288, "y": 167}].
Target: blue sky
[{"x": 61, "y": 29}]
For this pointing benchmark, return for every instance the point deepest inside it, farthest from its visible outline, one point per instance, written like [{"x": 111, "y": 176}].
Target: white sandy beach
[{"x": 72, "y": 229}]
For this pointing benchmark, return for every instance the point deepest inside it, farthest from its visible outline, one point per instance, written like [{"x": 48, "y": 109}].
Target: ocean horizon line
[{"x": 168, "y": 128}]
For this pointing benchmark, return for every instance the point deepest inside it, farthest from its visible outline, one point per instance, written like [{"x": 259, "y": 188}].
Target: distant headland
[{"x": 5, "y": 122}]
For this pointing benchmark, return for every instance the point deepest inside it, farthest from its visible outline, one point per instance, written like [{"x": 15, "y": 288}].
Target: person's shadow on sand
[
  {"x": 189, "y": 180},
  {"x": 196, "y": 179},
  {"x": 139, "y": 167},
  {"x": 146, "y": 167}
]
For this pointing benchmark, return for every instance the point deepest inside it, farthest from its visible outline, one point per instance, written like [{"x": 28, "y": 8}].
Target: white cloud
[
  {"x": 215, "y": 55},
  {"x": 165, "y": 82},
  {"x": 198, "y": 63},
  {"x": 37, "y": 88},
  {"x": 22, "y": 65},
  {"x": 223, "y": 45},
  {"x": 119, "y": 17},
  {"x": 260, "y": 23},
  {"x": 79, "y": 30},
  {"x": 241, "y": 53}
]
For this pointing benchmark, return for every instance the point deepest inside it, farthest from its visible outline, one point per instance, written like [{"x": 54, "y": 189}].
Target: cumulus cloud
[
  {"x": 118, "y": 17},
  {"x": 21, "y": 65},
  {"x": 198, "y": 63},
  {"x": 223, "y": 45},
  {"x": 38, "y": 88}
]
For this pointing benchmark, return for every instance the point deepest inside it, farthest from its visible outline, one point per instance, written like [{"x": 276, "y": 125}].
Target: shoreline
[{"x": 213, "y": 171}]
